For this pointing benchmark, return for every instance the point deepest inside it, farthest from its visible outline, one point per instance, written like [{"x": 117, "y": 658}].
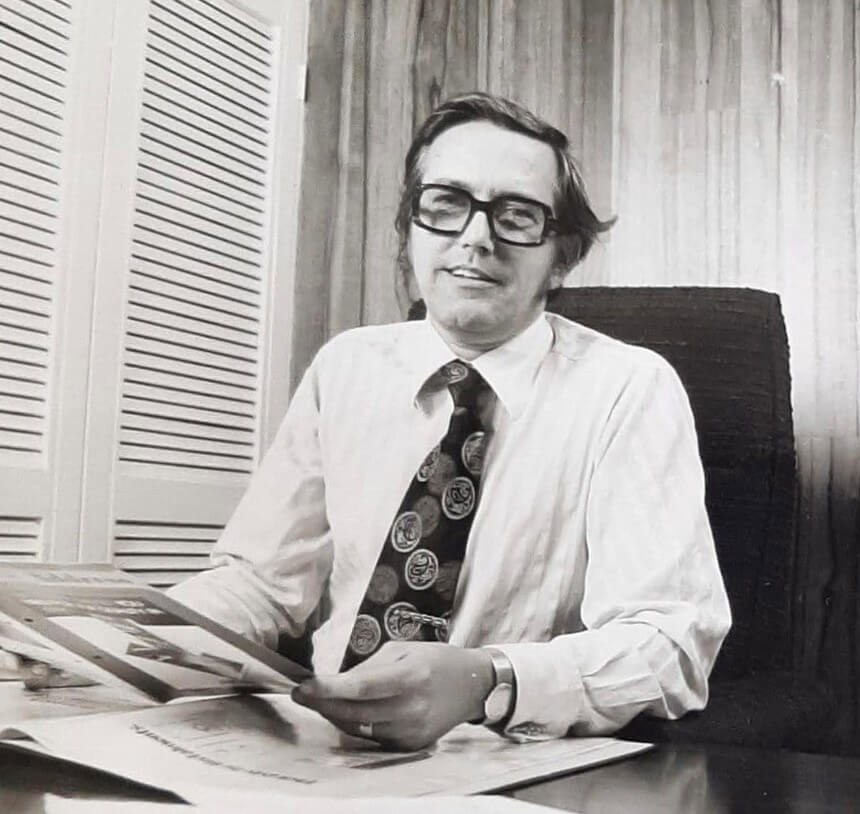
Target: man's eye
[
  {"x": 446, "y": 201},
  {"x": 518, "y": 215}
]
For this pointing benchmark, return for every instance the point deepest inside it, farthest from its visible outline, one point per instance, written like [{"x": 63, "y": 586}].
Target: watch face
[{"x": 498, "y": 702}]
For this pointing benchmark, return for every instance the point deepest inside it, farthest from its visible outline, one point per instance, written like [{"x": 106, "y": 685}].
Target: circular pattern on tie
[
  {"x": 472, "y": 452},
  {"x": 459, "y": 498},
  {"x": 383, "y": 585},
  {"x": 428, "y": 465},
  {"x": 366, "y": 635},
  {"x": 454, "y": 372},
  {"x": 445, "y": 469},
  {"x": 430, "y": 511},
  {"x": 406, "y": 531},
  {"x": 398, "y": 627},
  {"x": 421, "y": 569}
]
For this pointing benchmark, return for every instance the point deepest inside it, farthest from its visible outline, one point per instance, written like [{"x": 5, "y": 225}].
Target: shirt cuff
[{"x": 549, "y": 691}]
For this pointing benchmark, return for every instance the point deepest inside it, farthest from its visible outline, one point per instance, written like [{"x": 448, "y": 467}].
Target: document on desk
[
  {"x": 96, "y": 622},
  {"x": 269, "y": 744}
]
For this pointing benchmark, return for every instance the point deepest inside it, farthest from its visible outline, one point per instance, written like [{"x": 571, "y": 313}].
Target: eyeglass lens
[{"x": 448, "y": 209}]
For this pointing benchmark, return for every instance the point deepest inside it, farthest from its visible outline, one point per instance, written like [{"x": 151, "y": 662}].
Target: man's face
[{"x": 479, "y": 291}]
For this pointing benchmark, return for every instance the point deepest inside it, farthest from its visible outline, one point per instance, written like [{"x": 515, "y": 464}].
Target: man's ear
[{"x": 557, "y": 277}]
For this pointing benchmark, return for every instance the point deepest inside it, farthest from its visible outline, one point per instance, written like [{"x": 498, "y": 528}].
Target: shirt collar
[{"x": 510, "y": 369}]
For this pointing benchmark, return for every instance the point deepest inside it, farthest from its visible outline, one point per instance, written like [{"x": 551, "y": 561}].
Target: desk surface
[{"x": 672, "y": 778}]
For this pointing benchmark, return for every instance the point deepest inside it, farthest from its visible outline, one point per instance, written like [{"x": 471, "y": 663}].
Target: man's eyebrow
[{"x": 498, "y": 193}]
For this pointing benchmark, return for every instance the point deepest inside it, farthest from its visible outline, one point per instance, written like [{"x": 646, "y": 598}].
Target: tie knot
[{"x": 464, "y": 382}]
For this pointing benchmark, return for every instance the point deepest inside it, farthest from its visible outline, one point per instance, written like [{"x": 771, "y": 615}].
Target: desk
[{"x": 672, "y": 778}]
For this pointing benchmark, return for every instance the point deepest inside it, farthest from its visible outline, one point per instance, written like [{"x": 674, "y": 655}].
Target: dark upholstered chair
[{"x": 729, "y": 347}]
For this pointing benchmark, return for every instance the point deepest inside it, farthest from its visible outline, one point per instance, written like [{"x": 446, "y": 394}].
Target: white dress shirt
[{"x": 590, "y": 561}]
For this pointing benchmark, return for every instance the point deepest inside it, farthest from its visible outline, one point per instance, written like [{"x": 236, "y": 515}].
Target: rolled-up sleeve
[
  {"x": 273, "y": 558},
  {"x": 654, "y": 607}
]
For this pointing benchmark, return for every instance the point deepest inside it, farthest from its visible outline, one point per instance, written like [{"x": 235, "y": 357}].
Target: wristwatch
[{"x": 500, "y": 701}]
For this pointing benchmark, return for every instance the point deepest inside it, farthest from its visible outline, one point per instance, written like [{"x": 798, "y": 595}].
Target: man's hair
[{"x": 578, "y": 226}]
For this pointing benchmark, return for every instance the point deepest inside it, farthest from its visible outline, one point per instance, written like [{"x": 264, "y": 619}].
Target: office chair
[{"x": 730, "y": 350}]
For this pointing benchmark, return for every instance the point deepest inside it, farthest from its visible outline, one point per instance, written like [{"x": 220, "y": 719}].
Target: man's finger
[
  {"x": 340, "y": 711},
  {"x": 366, "y": 682}
]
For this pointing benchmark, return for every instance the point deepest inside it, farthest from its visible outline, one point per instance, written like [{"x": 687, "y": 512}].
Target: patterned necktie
[{"x": 412, "y": 587}]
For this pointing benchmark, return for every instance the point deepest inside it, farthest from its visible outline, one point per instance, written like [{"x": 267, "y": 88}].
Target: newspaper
[{"x": 268, "y": 744}]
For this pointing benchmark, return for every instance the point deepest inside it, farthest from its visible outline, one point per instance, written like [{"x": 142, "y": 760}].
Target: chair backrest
[{"x": 730, "y": 350}]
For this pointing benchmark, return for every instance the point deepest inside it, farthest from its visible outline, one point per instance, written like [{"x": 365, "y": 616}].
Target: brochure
[
  {"x": 270, "y": 745},
  {"x": 99, "y": 623}
]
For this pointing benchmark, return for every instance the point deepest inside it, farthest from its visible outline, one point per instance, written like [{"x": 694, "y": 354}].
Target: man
[{"x": 589, "y": 590}]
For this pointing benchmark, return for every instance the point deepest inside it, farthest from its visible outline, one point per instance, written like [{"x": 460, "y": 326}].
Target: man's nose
[{"x": 477, "y": 233}]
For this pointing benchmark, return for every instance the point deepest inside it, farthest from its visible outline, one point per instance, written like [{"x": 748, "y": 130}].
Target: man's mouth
[{"x": 470, "y": 273}]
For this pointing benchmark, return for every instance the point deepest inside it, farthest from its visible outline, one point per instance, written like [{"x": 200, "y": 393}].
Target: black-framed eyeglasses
[{"x": 513, "y": 219}]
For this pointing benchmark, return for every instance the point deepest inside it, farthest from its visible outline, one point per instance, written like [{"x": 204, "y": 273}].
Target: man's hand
[{"x": 411, "y": 693}]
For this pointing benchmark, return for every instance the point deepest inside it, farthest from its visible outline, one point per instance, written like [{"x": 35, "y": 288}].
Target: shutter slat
[
  {"x": 171, "y": 381},
  {"x": 173, "y": 429},
  {"x": 143, "y": 400},
  {"x": 20, "y": 64},
  {"x": 33, "y": 286},
  {"x": 17, "y": 130},
  {"x": 33, "y": 224},
  {"x": 199, "y": 298},
  {"x": 20, "y": 441},
  {"x": 217, "y": 148},
  {"x": 14, "y": 299},
  {"x": 38, "y": 186},
  {"x": 239, "y": 454},
  {"x": 20, "y": 536},
  {"x": 173, "y": 84},
  {"x": 145, "y": 307},
  {"x": 29, "y": 322},
  {"x": 233, "y": 451},
  {"x": 24, "y": 337},
  {"x": 17, "y": 241},
  {"x": 25, "y": 387},
  {"x": 32, "y": 408},
  {"x": 185, "y": 186},
  {"x": 199, "y": 21},
  {"x": 152, "y": 358},
  {"x": 206, "y": 234},
  {"x": 183, "y": 458},
  {"x": 211, "y": 174},
  {"x": 25, "y": 356},
  {"x": 17, "y": 114},
  {"x": 152, "y": 234},
  {"x": 18, "y": 42},
  {"x": 130, "y": 536},
  {"x": 208, "y": 355},
  {"x": 232, "y": 88},
  {"x": 52, "y": 28},
  {"x": 204, "y": 56},
  {"x": 32, "y": 93},
  {"x": 187, "y": 272}
]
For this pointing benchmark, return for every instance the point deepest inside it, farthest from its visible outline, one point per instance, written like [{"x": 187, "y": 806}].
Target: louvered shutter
[
  {"x": 182, "y": 406},
  {"x": 53, "y": 68}
]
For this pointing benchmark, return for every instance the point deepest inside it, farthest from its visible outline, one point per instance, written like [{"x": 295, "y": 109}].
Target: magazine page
[
  {"x": 137, "y": 635},
  {"x": 269, "y": 744},
  {"x": 19, "y": 704}
]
